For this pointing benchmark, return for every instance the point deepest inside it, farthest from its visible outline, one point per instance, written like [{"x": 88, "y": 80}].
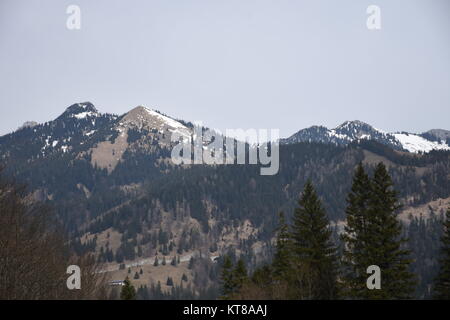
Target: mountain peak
[
  {"x": 144, "y": 117},
  {"x": 356, "y": 130},
  {"x": 344, "y": 134},
  {"x": 353, "y": 124},
  {"x": 138, "y": 116},
  {"x": 80, "y": 110},
  {"x": 139, "y": 109}
]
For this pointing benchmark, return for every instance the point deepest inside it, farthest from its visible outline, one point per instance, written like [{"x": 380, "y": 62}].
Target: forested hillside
[{"x": 112, "y": 185}]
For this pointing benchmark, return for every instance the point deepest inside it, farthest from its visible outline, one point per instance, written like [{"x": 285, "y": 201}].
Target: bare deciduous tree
[{"x": 34, "y": 255}]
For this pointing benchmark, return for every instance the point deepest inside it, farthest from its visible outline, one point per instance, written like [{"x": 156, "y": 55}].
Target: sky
[{"x": 262, "y": 64}]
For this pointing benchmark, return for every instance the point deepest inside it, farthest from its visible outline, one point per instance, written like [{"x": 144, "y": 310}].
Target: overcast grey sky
[{"x": 284, "y": 64}]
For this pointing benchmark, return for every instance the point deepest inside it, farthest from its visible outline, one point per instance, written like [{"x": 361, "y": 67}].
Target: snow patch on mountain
[
  {"x": 415, "y": 143},
  {"x": 80, "y": 111},
  {"x": 83, "y": 115},
  {"x": 169, "y": 121},
  {"x": 90, "y": 133},
  {"x": 333, "y": 133}
]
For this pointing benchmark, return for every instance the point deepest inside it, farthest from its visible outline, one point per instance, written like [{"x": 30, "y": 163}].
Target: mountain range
[
  {"x": 81, "y": 124},
  {"x": 115, "y": 190},
  {"x": 351, "y": 131}
]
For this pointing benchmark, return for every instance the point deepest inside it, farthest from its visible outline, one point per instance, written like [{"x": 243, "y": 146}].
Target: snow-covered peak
[
  {"x": 352, "y": 125},
  {"x": 142, "y": 117},
  {"x": 358, "y": 130},
  {"x": 355, "y": 130}
]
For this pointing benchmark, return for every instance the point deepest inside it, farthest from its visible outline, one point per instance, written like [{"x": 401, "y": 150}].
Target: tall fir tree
[
  {"x": 356, "y": 237},
  {"x": 128, "y": 291},
  {"x": 283, "y": 252},
  {"x": 240, "y": 275},
  {"x": 385, "y": 245},
  {"x": 226, "y": 278},
  {"x": 442, "y": 284},
  {"x": 315, "y": 254}
]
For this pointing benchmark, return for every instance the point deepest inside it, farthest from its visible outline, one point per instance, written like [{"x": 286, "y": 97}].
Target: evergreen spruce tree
[
  {"x": 373, "y": 237},
  {"x": 226, "y": 278},
  {"x": 384, "y": 242},
  {"x": 442, "y": 284},
  {"x": 128, "y": 292},
  {"x": 355, "y": 254},
  {"x": 314, "y": 251},
  {"x": 263, "y": 279},
  {"x": 239, "y": 276},
  {"x": 281, "y": 260},
  {"x": 156, "y": 263}
]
